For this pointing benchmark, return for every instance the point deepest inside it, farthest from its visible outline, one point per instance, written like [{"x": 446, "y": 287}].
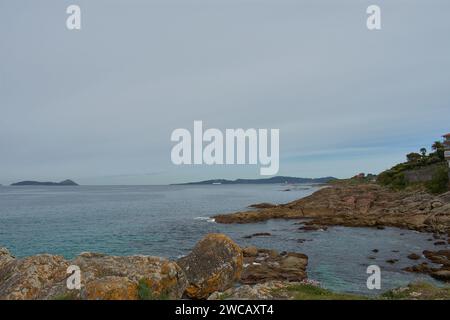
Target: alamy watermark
[
  {"x": 73, "y": 282},
  {"x": 374, "y": 280},
  {"x": 73, "y": 21},
  {"x": 235, "y": 146}
]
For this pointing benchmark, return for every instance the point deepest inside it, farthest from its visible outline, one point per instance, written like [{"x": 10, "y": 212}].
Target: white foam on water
[{"x": 207, "y": 219}]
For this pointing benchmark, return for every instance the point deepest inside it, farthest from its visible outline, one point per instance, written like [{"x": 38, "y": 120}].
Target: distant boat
[{"x": 217, "y": 183}]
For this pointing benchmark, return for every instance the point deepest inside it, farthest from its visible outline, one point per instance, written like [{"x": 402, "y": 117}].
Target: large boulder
[
  {"x": 214, "y": 264},
  {"x": 119, "y": 278},
  {"x": 102, "y": 277},
  {"x": 30, "y": 278},
  {"x": 270, "y": 265}
]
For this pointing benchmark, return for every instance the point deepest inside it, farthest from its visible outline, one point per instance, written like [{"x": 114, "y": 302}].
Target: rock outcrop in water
[
  {"x": 441, "y": 258},
  {"x": 263, "y": 265},
  {"x": 360, "y": 205}
]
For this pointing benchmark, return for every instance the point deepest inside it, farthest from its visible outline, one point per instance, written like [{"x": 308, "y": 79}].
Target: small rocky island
[{"x": 67, "y": 182}]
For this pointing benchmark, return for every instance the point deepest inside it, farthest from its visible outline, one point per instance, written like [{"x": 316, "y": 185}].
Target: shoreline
[
  {"x": 249, "y": 272},
  {"x": 366, "y": 205},
  {"x": 216, "y": 269},
  {"x": 360, "y": 205}
]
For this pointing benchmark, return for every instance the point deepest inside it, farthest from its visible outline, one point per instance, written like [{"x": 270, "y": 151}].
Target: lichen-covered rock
[
  {"x": 32, "y": 277},
  {"x": 5, "y": 257},
  {"x": 214, "y": 264},
  {"x": 112, "y": 277},
  {"x": 111, "y": 288}
]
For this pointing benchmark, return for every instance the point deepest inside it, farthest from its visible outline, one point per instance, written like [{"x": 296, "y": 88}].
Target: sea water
[{"x": 168, "y": 220}]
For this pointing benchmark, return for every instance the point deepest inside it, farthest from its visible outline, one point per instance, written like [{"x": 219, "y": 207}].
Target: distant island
[
  {"x": 275, "y": 180},
  {"x": 37, "y": 183}
]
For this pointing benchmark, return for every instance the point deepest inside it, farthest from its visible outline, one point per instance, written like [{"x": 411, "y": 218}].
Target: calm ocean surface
[{"x": 168, "y": 221}]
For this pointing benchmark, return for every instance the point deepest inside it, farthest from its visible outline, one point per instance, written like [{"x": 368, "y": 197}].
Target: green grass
[
  {"x": 310, "y": 292},
  {"x": 66, "y": 296},
  {"x": 419, "y": 290}
]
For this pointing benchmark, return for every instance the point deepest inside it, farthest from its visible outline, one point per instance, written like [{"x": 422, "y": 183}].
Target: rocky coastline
[
  {"x": 216, "y": 264},
  {"x": 367, "y": 205},
  {"x": 218, "y": 268},
  {"x": 357, "y": 205}
]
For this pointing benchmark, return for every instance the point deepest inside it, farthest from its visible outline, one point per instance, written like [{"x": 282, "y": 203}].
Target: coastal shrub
[
  {"x": 418, "y": 290},
  {"x": 393, "y": 178},
  {"x": 439, "y": 182}
]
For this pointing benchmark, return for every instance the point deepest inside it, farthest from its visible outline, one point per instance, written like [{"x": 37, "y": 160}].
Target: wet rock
[
  {"x": 251, "y": 251},
  {"x": 375, "y": 250},
  {"x": 214, "y": 264},
  {"x": 440, "y": 243},
  {"x": 442, "y": 258},
  {"x": 442, "y": 274},
  {"x": 313, "y": 227},
  {"x": 392, "y": 261},
  {"x": 258, "y": 234},
  {"x": 263, "y": 205},
  {"x": 439, "y": 257},
  {"x": 414, "y": 256},
  {"x": 269, "y": 265},
  {"x": 419, "y": 268}
]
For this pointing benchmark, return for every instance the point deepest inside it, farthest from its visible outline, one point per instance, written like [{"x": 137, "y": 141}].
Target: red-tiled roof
[{"x": 446, "y": 135}]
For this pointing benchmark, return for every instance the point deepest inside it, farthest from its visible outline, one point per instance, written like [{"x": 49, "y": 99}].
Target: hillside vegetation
[{"x": 437, "y": 179}]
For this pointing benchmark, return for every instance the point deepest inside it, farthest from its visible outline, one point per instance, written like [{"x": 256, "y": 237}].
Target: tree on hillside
[
  {"x": 439, "y": 149},
  {"x": 423, "y": 151},
  {"x": 413, "y": 157}
]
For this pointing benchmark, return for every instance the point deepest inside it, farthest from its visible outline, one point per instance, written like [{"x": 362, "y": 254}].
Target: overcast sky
[{"x": 99, "y": 105}]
